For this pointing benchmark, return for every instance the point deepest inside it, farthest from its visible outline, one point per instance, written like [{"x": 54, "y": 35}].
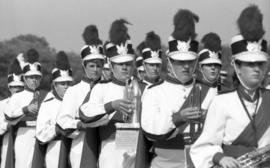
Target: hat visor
[
  {"x": 16, "y": 83},
  {"x": 33, "y": 72},
  {"x": 122, "y": 58},
  {"x": 140, "y": 68},
  {"x": 63, "y": 79},
  {"x": 153, "y": 61},
  {"x": 93, "y": 56},
  {"x": 182, "y": 56},
  {"x": 211, "y": 61},
  {"x": 106, "y": 66},
  {"x": 249, "y": 56}
]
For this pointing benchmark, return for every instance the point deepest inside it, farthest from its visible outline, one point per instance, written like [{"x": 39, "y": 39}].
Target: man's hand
[
  {"x": 124, "y": 106},
  {"x": 190, "y": 113},
  {"x": 32, "y": 109},
  {"x": 229, "y": 162}
]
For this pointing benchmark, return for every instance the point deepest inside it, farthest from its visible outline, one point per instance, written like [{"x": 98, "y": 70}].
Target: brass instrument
[{"x": 254, "y": 158}]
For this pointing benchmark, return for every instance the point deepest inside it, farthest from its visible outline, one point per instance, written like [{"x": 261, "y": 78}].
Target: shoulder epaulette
[
  {"x": 156, "y": 84},
  {"x": 48, "y": 99},
  {"x": 105, "y": 81}
]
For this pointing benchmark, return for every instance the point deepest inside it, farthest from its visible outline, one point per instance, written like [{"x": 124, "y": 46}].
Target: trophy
[{"x": 127, "y": 133}]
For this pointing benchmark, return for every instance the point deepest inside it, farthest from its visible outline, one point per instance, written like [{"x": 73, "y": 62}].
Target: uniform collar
[
  {"x": 170, "y": 79},
  {"x": 30, "y": 90},
  {"x": 147, "y": 80},
  {"x": 90, "y": 81},
  {"x": 56, "y": 94},
  {"x": 242, "y": 93},
  {"x": 118, "y": 82}
]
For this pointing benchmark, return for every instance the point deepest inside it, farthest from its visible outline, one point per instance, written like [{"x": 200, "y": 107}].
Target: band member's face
[
  {"x": 15, "y": 89},
  {"x": 211, "y": 71},
  {"x": 152, "y": 71},
  {"x": 93, "y": 69},
  {"x": 61, "y": 87},
  {"x": 32, "y": 81},
  {"x": 107, "y": 73},
  {"x": 183, "y": 69},
  {"x": 251, "y": 73},
  {"x": 141, "y": 74},
  {"x": 123, "y": 71}
]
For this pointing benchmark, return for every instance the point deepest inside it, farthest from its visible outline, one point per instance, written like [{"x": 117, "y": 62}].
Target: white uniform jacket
[
  {"x": 99, "y": 110},
  {"x": 226, "y": 123},
  {"x": 160, "y": 104},
  {"x": 3, "y": 131},
  {"x": 25, "y": 139},
  {"x": 45, "y": 129},
  {"x": 68, "y": 119}
]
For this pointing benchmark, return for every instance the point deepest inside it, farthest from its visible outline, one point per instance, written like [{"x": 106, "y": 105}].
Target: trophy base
[{"x": 126, "y": 137}]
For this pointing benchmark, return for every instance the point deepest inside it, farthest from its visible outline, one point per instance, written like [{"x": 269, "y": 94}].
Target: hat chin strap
[
  {"x": 242, "y": 83},
  {"x": 173, "y": 71}
]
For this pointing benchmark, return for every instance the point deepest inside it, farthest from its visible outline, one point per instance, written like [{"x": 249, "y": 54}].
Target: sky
[{"x": 62, "y": 22}]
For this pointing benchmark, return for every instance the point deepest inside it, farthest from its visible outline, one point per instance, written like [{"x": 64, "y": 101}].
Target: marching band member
[
  {"x": 151, "y": 63},
  {"x": 15, "y": 85},
  {"x": 107, "y": 98},
  {"x": 166, "y": 106},
  {"x": 46, "y": 120},
  {"x": 22, "y": 110},
  {"x": 82, "y": 153},
  {"x": 238, "y": 122},
  {"x": 151, "y": 54},
  {"x": 210, "y": 61},
  {"x": 140, "y": 69},
  {"x": 106, "y": 73}
]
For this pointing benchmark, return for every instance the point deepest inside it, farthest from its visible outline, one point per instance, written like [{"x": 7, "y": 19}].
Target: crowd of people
[{"x": 187, "y": 117}]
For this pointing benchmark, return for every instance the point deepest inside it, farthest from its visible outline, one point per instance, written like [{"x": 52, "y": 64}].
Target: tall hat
[
  {"x": 182, "y": 45},
  {"x": 32, "y": 66},
  {"x": 151, "y": 51},
  {"x": 249, "y": 45},
  {"x": 15, "y": 73},
  {"x": 62, "y": 72},
  {"x": 139, "y": 63},
  {"x": 211, "y": 54},
  {"x": 119, "y": 48},
  {"x": 93, "y": 45}
]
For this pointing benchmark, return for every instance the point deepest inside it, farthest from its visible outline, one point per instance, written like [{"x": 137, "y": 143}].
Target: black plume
[
  {"x": 62, "y": 61},
  {"x": 140, "y": 47},
  {"x": 90, "y": 35},
  {"x": 153, "y": 41},
  {"x": 212, "y": 42},
  {"x": 250, "y": 23},
  {"x": 15, "y": 68},
  {"x": 118, "y": 32},
  {"x": 32, "y": 56},
  {"x": 184, "y": 25}
]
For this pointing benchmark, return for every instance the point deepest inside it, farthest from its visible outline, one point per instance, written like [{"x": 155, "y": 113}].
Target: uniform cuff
[
  {"x": 108, "y": 108},
  {"x": 217, "y": 157},
  {"x": 177, "y": 119},
  {"x": 25, "y": 110}
]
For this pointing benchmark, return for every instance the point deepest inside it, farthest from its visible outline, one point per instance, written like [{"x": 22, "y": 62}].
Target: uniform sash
[
  {"x": 64, "y": 153},
  {"x": 249, "y": 137},
  {"x": 145, "y": 154}
]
